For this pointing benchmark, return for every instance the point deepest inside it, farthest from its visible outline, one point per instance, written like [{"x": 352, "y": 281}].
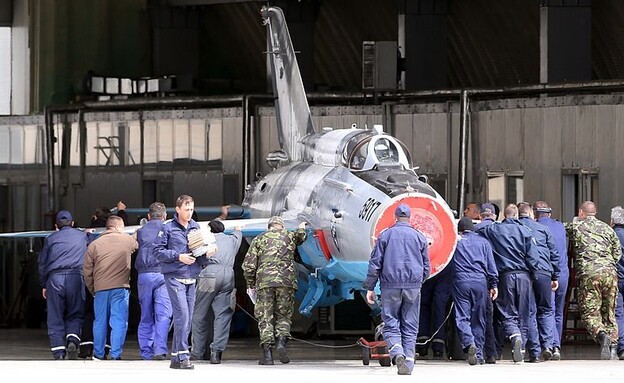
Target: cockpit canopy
[
  {"x": 364, "y": 153},
  {"x": 355, "y": 149}
]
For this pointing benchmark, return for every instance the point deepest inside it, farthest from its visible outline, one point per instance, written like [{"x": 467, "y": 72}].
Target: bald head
[
  {"x": 588, "y": 208},
  {"x": 115, "y": 223},
  {"x": 511, "y": 211},
  {"x": 525, "y": 209}
]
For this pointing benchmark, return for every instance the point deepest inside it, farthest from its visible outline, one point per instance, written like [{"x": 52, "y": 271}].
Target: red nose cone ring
[{"x": 430, "y": 216}]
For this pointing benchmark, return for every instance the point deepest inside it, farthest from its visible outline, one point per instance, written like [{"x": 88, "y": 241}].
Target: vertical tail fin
[{"x": 293, "y": 112}]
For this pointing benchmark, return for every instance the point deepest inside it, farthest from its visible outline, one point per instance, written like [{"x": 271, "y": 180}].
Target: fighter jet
[{"x": 345, "y": 183}]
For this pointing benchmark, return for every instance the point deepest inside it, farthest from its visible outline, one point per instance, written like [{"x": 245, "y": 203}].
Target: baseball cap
[
  {"x": 488, "y": 208},
  {"x": 403, "y": 210},
  {"x": 465, "y": 224},
  {"x": 63, "y": 216}
]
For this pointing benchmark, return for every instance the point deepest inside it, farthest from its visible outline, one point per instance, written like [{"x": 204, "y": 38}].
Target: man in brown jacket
[{"x": 107, "y": 276}]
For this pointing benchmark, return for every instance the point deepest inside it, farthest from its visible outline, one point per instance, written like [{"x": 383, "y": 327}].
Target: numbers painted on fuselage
[{"x": 368, "y": 209}]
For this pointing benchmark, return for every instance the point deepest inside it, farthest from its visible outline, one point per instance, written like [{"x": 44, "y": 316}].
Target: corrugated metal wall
[{"x": 549, "y": 143}]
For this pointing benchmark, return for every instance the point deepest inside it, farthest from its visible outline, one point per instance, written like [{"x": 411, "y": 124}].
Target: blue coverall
[
  {"x": 153, "y": 329},
  {"x": 400, "y": 261},
  {"x": 546, "y": 271},
  {"x": 558, "y": 296},
  {"x": 474, "y": 274},
  {"x": 215, "y": 288},
  {"x": 60, "y": 273},
  {"x": 619, "y": 306},
  {"x": 493, "y": 324},
  {"x": 514, "y": 256},
  {"x": 180, "y": 281},
  {"x": 435, "y": 296}
]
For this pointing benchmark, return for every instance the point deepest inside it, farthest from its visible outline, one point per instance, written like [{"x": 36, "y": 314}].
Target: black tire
[
  {"x": 385, "y": 361},
  {"x": 366, "y": 354}
]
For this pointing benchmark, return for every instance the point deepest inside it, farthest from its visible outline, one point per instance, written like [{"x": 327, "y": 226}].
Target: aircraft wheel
[{"x": 366, "y": 354}]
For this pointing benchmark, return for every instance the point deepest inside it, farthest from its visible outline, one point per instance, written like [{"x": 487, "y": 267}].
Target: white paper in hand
[{"x": 252, "y": 295}]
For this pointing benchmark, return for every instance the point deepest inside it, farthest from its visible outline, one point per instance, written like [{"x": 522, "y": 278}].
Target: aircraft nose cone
[{"x": 430, "y": 216}]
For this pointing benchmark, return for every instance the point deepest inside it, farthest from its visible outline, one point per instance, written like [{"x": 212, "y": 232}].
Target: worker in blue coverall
[
  {"x": 617, "y": 222},
  {"x": 545, "y": 280},
  {"x": 512, "y": 245},
  {"x": 400, "y": 262},
  {"x": 543, "y": 215},
  {"x": 63, "y": 287},
  {"x": 216, "y": 293},
  {"x": 435, "y": 296},
  {"x": 153, "y": 329},
  {"x": 180, "y": 269},
  {"x": 474, "y": 283},
  {"x": 493, "y": 329}
]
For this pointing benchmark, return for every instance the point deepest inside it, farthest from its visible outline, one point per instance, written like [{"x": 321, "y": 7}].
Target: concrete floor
[{"x": 24, "y": 354}]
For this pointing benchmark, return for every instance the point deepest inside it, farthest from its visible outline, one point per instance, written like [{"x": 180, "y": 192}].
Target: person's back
[
  {"x": 404, "y": 265},
  {"x": 515, "y": 258},
  {"x": 63, "y": 252},
  {"x": 474, "y": 274},
  {"x": 269, "y": 269},
  {"x": 544, "y": 247},
  {"x": 107, "y": 276},
  {"x": 596, "y": 250},
  {"x": 60, "y": 275},
  {"x": 110, "y": 254},
  {"x": 511, "y": 244},
  {"x": 215, "y": 290},
  {"x": 400, "y": 262},
  {"x": 596, "y": 246},
  {"x": 156, "y": 311},
  {"x": 617, "y": 222},
  {"x": 619, "y": 231},
  {"x": 146, "y": 261},
  {"x": 473, "y": 259},
  {"x": 559, "y": 237},
  {"x": 276, "y": 264}
]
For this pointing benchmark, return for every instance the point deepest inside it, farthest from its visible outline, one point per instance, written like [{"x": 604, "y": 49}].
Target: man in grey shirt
[{"x": 215, "y": 291}]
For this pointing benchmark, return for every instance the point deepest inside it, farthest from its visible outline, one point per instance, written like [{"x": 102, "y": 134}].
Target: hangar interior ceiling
[{"x": 488, "y": 42}]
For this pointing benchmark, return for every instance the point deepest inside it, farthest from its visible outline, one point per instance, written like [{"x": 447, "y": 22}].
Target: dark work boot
[
  {"x": 614, "y": 354},
  {"x": 516, "y": 348},
  {"x": 267, "y": 356},
  {"x": 72, "y": 351},
  {"x": 605, "y": 345},
  {"x": 86, "y": 351},
  {"x": 281, "y": 349},
  {"x": 215, "y": 357}
]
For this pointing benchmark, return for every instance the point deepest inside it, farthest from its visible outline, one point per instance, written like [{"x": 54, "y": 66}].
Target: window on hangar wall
[
  {"x": 505, "y": 187},
  {"x": 578, "y": 186},
  {"x": 5, "y": 70}
]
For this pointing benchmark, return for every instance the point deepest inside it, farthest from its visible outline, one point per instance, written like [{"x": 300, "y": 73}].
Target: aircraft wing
[
  {"x": 234, "y": 211},
  {"x": 250, "y": 228},
  {"x": 27, "y": 234},
  {"x": 253, "y": 227},
  {"x": 44, "y": 233}
]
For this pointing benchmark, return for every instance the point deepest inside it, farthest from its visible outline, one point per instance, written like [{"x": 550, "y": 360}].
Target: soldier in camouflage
[
  {"x": 269, "y": 268},
  {"x": 596, "y": 251}
]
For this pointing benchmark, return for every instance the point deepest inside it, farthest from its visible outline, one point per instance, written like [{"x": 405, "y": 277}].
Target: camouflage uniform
[
  {"x": 596, "y": 251},
  {"x": 269, "y": 267}
]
